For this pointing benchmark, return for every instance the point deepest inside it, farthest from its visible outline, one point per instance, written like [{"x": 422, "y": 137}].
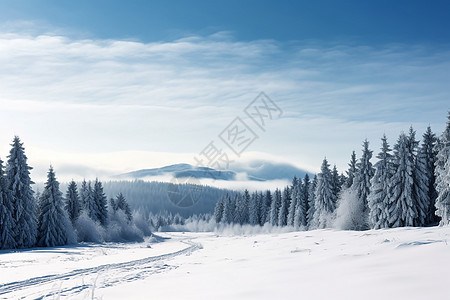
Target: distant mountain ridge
[{"x": 256, "y": 170}]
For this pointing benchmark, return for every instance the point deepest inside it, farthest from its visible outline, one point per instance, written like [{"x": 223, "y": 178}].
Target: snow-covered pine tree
[
  {"x": 442, "y": 173},
  {"x": 295, "y": 194},
  {"x": 311, "y": 201},
  {"x": 229, "y": 210},
  {"x": 365, "y": 172},
  {"x": 73, "y": 205},
  {"x": 300, "y": 214},
  {"x": 336, "y": 181},
  {"x": 24, "y": 204},
  {"x": 275, "y": 207},
  {"x": 285, "y": 202},
  {"x": 7, "y": 222},
  {"x": 100, "y": 203},
  {"x": 90, "y": 205},
  {"x": 122, "y": 204},
  {"x": 305, "y": 191},
  {"x": 53, "y": 223},
  {"x": 402, "y": 208},
  {"x": 351, "y": 173},
  {"x": 361, "y": 185},
  {"x": 254, "y": 209},
  {"x": 84, "y": 194},
  {"x": 378, "y": 199},
  {"x": 262, "y": 208},
  {"x": 324, "y": 198},
  {"x": 218, "y": 209},
  {"x": 421, "y": 182},
  {"x": 241, "y": 210},
  {"x": 426, "y": 159},
  {"x": 265, "y": 207}
]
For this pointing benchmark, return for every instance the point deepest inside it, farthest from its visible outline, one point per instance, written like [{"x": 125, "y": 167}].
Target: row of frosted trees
[
  {"x": 48, "y": 220},
  {"x": 407, "y": 186}
]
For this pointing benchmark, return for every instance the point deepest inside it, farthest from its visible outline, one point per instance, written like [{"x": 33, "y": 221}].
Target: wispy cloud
[{"x": 96, "y": 96}]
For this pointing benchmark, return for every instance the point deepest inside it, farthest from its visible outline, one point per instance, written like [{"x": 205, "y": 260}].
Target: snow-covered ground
[{"x": 403, "y": 263}]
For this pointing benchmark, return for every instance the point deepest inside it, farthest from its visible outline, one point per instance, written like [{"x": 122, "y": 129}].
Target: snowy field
[{"x": 403, "y": 263}]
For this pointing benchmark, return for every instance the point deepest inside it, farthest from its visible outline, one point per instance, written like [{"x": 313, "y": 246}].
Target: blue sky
[{"x": 103, "y": 87}]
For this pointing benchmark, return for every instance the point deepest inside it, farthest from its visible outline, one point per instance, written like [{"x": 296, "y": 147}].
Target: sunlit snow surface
[{"x": 405, "y": 263}]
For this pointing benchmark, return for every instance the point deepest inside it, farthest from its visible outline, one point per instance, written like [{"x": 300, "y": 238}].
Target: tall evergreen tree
[
  {"x": 266, "y": 206},
  {"x": 325, "y": 199},
  {"x": 295, "y": 194},
  {"x": 378, "y": 199},
  {"x": 228, "y": 210},
  {"x": 122, "y": 204},
  {"x": 100, "y": 203},
  {"x": 23, "y": 202},
  {"x": 241, "y": 210},
  {"x": 84, "y": 194},
  {"x": 7, "y": 223},
  {"x": 442, "y": 172},
  {"x": 351, "y": 173},
  {"x": 73, "y": 205},
  {"x": 254, "y": 209},
  {"x": 361, "y": 185},
  {"x": 301, "y": 205},
  {"x": 421, "y": 177},
  {"x": 275, "y": 207},
  {"x": 311, "y": 201},
  {"x": 218, "y": 210},
  {"x": 284, "y": 208},
  {"x": 305, "y": 191},
  {"x": 426, "y": 160},
  {"x": 336, "y": 180},
  {"x": 403, "y": 209},
  {"x": 53, "y": 222},
  {"x": 89, "y": 202}
]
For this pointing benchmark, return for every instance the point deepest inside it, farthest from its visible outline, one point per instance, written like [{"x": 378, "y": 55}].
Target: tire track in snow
[{"x": 134, "y": 265}]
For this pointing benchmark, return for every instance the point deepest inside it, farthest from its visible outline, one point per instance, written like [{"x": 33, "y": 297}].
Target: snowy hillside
[{"x": 402, "y": 263}]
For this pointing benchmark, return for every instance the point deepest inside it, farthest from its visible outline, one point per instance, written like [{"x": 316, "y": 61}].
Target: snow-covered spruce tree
[
  {"x": 54, "y": 225},
  {"x": 364, "y": 174},
  {"x": 275, "y": 207},
  {"x": 218, "y": 209},
  {"x": 426, "y": 159},
  {"x": 241, "y": 210},
  {"x": 23, "y": 203},
  {"x": 265, "y": 207},
  {"x": 421, "y": 179},
  {"x": 73, "y": 205},
  {"x": 261, "y": 209},
  {"x": 90, "y": 205},
  {"x": 361, "y": 185},
  {"x": 84, "y": 194},
  {"x": 311, "y": 201},
  {"x": 7, "y": 222},
  {"x": 442, "y": 173},
  {"x": 254, "y": 209},
  {"x": 305, "y": 191},
  {"x": 351, "y": 173},
  {"x": 378, "y": 199},
  {"x": 295, "y": 194},
  {"x": 336, "y": 181},
  {"x": 402, "y": 207},
  {"x": 300, "y": 214},
  {"x": 100, "y": 203},
  {"x": 325, "y": 199},
  {"x": 285, "y": 202},
  {"x": 122, "y": 205},
  {"x": 229, "y": 210}
]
